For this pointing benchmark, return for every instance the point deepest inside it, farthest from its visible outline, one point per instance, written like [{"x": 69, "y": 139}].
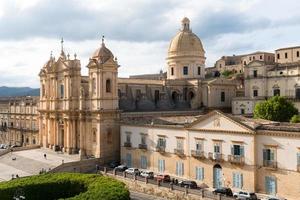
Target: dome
[
  {"x": 102, "y": 54},
  {"x": 186, "y": 42}
]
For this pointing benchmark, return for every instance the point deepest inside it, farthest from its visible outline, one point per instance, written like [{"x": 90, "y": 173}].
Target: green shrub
[
  {"x": 69, "y": 186},
  {"x": 295, "y": 119}
]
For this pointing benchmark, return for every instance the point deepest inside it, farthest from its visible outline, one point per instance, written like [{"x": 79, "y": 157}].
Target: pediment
[
  {"x": 255, "y": 63},
  {"x": 218, "y": 121}
]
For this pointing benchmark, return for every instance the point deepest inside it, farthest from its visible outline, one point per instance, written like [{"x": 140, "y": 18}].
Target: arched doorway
[
  {"x": 217, "y": 176},
  {"x": 190, "y": 96},
  {"x": 297, "y": 93},
  {"x": 174, "y": 97}
]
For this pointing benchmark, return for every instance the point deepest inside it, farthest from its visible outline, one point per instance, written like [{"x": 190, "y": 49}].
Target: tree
[
  {"x": 276, "y": 109},
  {"x": 295, "y": 119},
  {"x": 227, "y": 73}
]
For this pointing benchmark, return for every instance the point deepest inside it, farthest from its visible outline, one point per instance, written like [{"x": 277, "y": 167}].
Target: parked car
[
  {"x": 162, "y": 177},
  {"x": 223, "y": 191},
  {"x": 132, "y": 171},
  {"x": 147, "y": 174},
  {"x": 114, "y": 164},
  {"x": 1, "y": 146},
  {"x": 121, "y": 168},
  {"x": 189, "y": 184},
  {"x": 245, "y": 195},
  {"x": 13, "y": 146}
]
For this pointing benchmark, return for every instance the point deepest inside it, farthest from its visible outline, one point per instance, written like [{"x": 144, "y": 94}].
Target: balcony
[
  {"x": 218, "y": 157},
  {"x": 127, "y": 144},
  {"x": 179, "y": 152},
  {"x": 161, "y": 149},
  {"x": 270, "y": 164},
  {"x": 236, "y": 159},
  {"x": 198, "y": 154},
  {"x": 143, "y": 146}
]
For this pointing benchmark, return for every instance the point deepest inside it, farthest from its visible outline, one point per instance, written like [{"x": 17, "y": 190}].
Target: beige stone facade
[
  {"x": 218, "y": 150},
  {"x": 263, "y": 80},
  {"x": 19, "y": 121}
]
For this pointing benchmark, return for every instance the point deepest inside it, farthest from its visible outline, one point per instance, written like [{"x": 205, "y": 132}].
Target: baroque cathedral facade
[{"x": 81, "y": 114}]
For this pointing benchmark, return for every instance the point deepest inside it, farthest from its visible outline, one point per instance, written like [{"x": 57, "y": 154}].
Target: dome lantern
[{"x": 185, "y": 23}]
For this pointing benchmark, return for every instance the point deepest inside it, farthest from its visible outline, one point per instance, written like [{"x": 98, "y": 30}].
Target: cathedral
[{"x": 81, "y": 114}]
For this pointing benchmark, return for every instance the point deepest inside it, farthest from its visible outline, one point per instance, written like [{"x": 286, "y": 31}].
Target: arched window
[
  {"x": 108, "y": 85},
  {"x": 94, "y": 135}
]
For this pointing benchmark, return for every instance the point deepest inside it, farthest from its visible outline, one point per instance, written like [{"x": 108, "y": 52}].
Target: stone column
[{"x": 82, "y": 138}]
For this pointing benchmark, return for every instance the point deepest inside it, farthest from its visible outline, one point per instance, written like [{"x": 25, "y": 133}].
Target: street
[{"x": 141, "y": 196}]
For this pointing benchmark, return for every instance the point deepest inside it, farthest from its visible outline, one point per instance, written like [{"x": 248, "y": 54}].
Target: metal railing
[
  {"x": 270, "y": 164},
  {"x": 127, "y": 144},
  {"x": 161, "y": 149},
  {"x": 216, "y": 156},
  {"x": 179, "y": 152},
  {"x": 236, "y": 159},
  {"x": 198, "y": 154},
  {"x": 142, "y": 146},
  {"x": 201, "y": 192}
]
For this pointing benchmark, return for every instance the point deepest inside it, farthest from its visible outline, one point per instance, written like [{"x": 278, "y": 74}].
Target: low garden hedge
[{"x": 70, "y": 186}]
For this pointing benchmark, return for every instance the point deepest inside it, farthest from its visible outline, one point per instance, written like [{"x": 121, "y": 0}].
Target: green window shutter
[
  {"x": 177, "y": 168},
  {"x": 196, "y": 170},
  {"x": 265, "y": 154},
  {"x": 202, "y": 173},
  {"x": 163, "y": 165},
  {"x": 241, "y": 181},
  {"x": 272, "y": 155},
  {"x": 242, "y": 150},
  {"x": 234, "y": 179},
  {"x": 182, "y": 169}
]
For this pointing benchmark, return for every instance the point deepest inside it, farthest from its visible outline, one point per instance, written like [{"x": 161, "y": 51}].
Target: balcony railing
[
  {"x": 197, "y": 154},
  {"x": 216, "y": 156},
  {"x": 142, "y": 146},
  {"x": 236, "y": 159},
  {"x": 179, "y": 152},
  {"x": 161, "y": 149},
  {"x": 127, "y": 144},
  {"x": 270, "y": 164}
]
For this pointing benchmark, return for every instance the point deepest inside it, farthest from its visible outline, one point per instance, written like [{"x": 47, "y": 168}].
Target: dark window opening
[
  {"x": 286, "y": 55},
  {"x": 172, "y": 71},
  {"x": 185, "y": 70},
  {"x": 254, "y": 73},
  {"x": 108, "y": 86},
  {"x": 222, "y": 96},
  {"x": 278, "y": 56},
  {"x": 199, "y": 70},
  {"x": 276, "y": 92},
  {"x": 255, "y": 93}
]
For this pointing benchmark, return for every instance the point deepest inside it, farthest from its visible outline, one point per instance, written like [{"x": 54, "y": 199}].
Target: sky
[{"x": 138, "y": 32}]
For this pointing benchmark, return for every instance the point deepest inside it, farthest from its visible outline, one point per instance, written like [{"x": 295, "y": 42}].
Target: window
[
  {"x": 179, "y": 143},
  {"x": 108, "y": 86},
  {"x": 199, "y": 173},
  {"x": 94, "y": 86},
  {"x": 217, "y": 148},
  {"x": 253, "y": 57},
  {"x": 276, "y": 92},
  {"x": 245, "y": 63},
  {"x": 185, "y": 70},
  {"x": 222, "y": 96},
  {"x": 254, "y": 73},
  {"x": 172, "y": 71},
  {"x": 237, "y": 150},
  {"x": 128, "y": 137},
  {"x": 255, "y": 93},
  {"x": 161, "y": 166},
  {"x": 278, "y": 56},
  {"x": 143, "y": 139},
  {"x": 269, "y": 158},
  {"x": 220, "y": 65},
  {"x": 285, "y": 55},
  {"x": 298, "y": 54},
  {"x": 250, "y": 58},
  {"x": 62, "y": 91},
  {"x": 94, "y": 135},
  {"x": 161, "y": 142},
  {"x": 237, "y": 180},
  {"x": 199, "y": 145},
  {"x": 143, "y": 162},
  {"x": 128, "y": 160},
  {"x": 199, "y": 70},
  {"x": 242, "y": 111},
  {"x": 260, "y": 57},
  {"x": 270, "y": 185},
  {"x": 179, "y": 168}
]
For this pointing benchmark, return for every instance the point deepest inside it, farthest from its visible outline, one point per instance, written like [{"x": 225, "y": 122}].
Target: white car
[
  {"x": 243, "y": 195},
  {"x": 147, "y": 174},
  {"x": 132, "y": 171}
]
